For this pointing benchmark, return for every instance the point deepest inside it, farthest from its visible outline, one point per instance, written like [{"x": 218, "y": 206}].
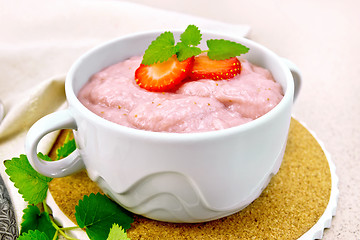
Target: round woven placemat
[{"x": 292, "y": 203}]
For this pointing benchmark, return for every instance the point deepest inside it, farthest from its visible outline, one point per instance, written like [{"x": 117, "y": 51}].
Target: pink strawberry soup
[{"x": 196, "y": 106}]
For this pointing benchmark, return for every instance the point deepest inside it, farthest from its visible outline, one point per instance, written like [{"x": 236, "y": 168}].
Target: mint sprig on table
[
  {"x": 32, "y": 185},
  {"x": 163, "y": 47},
  {"x": 97, "y": 214}
]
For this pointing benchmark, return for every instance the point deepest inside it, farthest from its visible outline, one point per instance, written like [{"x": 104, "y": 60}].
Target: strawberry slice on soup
[
  {"x": 206, "y": 68},
  {"x": 164, "y": 76}
]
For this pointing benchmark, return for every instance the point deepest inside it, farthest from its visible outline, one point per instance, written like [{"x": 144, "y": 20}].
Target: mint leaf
[
  {"x": 33, "y": 219},
  {"x": 44, "y": 157},
  {"x": 160, "y": 50},
  {"x": 163, "y": 47},
  {"x": 68, "y": 147},
  {"x": 191, "y": 36},
  {"x": 34, "y": 235},
  {"x": 97, "y": 213},
  {"x": 117, "y": 233},
  {"x": 220, "y": 49},
  {"x": 184, "y": 51},
  {"x": 31, "y": 184}
]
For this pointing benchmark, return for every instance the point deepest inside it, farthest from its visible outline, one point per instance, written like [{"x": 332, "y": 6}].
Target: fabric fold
[{"x": 45, "y": 98}]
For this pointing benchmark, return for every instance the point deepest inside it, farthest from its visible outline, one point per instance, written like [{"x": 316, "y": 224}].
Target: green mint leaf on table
[
  {"x": 34, "y": 235},
  {"x": 117, "y": 233},
  {"x": 44, "y": 157},
  {"x": 97, "y": 213},
  {"x": 191, "y": 36},
  {"x": 160, "y": 50},
  {"x": 220, "y": 49},
  {"x": 31, "y": 184},
  {"x": 34, "y": 219},
  {"x": 185, "y": 51},
  {"x": 68, "y": 147}
]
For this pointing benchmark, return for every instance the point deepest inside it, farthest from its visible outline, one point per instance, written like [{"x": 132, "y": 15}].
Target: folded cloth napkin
[{"x": 39, "y": 42}]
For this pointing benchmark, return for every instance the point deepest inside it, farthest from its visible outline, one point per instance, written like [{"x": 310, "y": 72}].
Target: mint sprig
[
  {"x": 100, "y": 212},
  {"x": 163, "y": 47},
  {"x": 31, "y": 184}
]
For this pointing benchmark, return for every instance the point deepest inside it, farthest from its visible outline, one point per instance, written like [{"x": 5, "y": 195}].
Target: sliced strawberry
[
  {"x": 205, "y": 68},
  {"x": 165, "y": 76}
]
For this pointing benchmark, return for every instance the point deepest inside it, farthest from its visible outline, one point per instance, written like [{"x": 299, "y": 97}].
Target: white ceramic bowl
[{"x": 173, "y": 177}]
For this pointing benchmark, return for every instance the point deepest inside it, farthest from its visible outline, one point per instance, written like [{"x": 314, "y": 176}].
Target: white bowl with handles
[{"x": 188, "y": 177}]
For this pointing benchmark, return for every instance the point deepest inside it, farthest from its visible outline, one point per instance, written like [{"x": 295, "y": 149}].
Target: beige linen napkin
[{"x": 39, "y": 42}]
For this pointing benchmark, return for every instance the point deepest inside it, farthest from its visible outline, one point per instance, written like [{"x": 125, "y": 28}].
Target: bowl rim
[{"x": 74, "y": 102}]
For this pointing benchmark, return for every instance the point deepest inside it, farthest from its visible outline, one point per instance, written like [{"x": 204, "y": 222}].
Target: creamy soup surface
[{"x": 196, "y": 106}]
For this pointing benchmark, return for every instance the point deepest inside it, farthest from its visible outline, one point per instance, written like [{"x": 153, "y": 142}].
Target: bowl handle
[
  {"x": 52, "y": 122},
  {"x": 295, "y": 72}
]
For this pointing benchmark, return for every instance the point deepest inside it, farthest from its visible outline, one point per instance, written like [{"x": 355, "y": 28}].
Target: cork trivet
[{"x": 291, "y": 204}]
